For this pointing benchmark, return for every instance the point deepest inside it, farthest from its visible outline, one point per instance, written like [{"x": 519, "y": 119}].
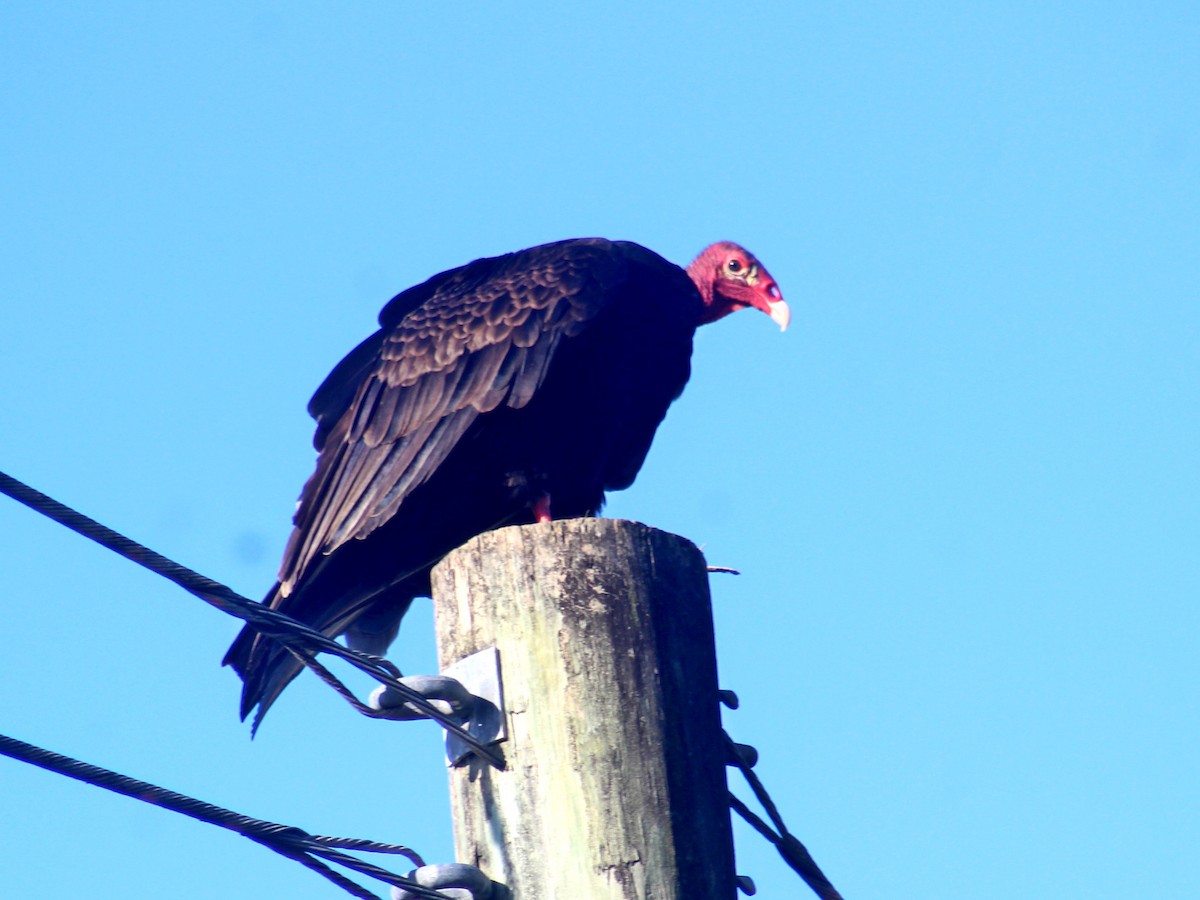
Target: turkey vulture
[{"x": 494, "y": 394}]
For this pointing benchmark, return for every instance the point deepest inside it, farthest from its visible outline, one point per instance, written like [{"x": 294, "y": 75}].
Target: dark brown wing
[
  {"x": 459, "y": 345},
  {"x": 555, "y": 364}
]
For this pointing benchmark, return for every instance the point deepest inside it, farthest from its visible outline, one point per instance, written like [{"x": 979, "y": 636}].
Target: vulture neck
[{"x": 715, "y": 306}]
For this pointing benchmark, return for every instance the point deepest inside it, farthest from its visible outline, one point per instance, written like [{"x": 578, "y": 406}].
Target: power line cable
[
  {"x": 794, "y": 853},
  {"x": 294, "y": 843},
  {"x": 303, "y": 641}
]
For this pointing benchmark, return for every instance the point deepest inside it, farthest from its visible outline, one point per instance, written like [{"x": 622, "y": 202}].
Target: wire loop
[{"x": 302, "y": 641}]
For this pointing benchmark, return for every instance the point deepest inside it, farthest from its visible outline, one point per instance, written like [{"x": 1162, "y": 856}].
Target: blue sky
[{"x": 962, "y": 488}]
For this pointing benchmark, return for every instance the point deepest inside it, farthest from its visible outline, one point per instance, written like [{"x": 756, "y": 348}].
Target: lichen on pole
[{"x": 614, "y": 786}]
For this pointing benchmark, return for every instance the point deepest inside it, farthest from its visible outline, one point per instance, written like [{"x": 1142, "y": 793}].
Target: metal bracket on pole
[
  {"x": 470, "y": 690},
  {"x": 480, "y": 674}
]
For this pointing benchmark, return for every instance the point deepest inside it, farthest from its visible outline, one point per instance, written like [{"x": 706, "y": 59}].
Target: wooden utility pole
[{"x": 614, "y": 786}]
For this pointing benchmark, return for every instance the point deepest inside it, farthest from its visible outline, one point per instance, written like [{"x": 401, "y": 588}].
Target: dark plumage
[{"x": 492, "y": 394}]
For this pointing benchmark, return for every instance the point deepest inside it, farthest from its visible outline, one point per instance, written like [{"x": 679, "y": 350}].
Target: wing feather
[{"x": 457, "y": 346}]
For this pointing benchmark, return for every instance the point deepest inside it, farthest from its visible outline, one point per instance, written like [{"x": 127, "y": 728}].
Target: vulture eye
[{"x": 734, "y": 265}]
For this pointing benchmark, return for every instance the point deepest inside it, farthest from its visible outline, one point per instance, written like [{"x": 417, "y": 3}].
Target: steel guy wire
[
  {"x": 289, "y": 841},
  {"x": 298, "y": 637},
  {"x": 794, "y": 853}
]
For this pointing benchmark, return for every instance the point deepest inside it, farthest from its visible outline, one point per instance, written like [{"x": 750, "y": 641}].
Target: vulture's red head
[{"x": 730, "y": 278}]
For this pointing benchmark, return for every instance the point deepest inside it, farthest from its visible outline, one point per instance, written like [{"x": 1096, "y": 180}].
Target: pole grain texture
[{"x": 614, "y": 786}]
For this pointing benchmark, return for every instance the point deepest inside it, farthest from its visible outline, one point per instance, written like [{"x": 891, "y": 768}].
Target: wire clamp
[
  {"x": 457, "y": 881},
  {"x": 741, "y": 755},
  {"x": 469, "y": 690}
]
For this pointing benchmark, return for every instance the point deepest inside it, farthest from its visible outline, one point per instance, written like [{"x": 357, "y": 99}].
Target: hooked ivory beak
[{"x": 780, "y": 313}]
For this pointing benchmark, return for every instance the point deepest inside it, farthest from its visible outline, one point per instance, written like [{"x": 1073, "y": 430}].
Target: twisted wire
[
  {"x": 794, "y": 853},
  {"x": 286, "y": 840},
  {"x": 305, "y": 642}
]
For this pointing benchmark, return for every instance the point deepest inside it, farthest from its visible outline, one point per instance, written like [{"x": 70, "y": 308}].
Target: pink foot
[{"x": 541, "y": 509}]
